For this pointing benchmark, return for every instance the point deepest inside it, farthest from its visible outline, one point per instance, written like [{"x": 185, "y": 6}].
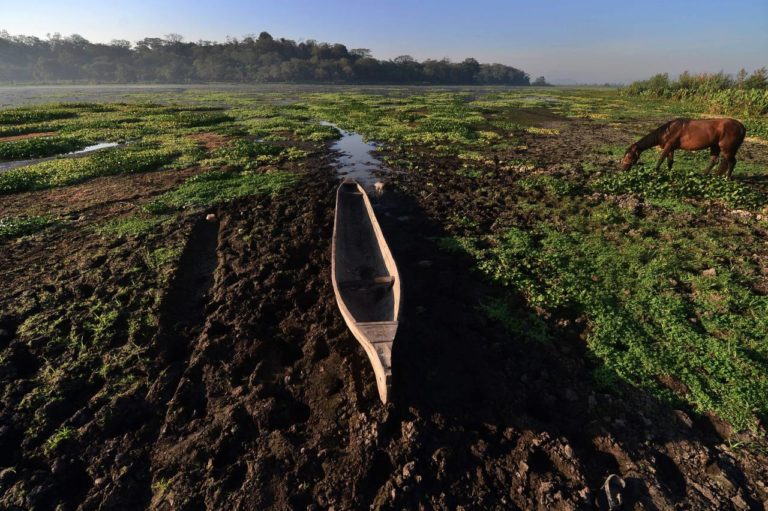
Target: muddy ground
[{"x": 256, "y": 396}]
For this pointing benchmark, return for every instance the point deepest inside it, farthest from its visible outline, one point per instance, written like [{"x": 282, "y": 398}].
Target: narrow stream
[
  {"x": 8, "y": 165},
  {"x": 356, "y": 160}
]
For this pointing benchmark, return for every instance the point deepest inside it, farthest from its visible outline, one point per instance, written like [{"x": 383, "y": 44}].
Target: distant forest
[{"x": 249, "y": 59}]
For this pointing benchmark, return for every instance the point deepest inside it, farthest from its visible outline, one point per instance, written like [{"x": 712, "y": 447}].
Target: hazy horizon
[{"x": 596, "y": 41}]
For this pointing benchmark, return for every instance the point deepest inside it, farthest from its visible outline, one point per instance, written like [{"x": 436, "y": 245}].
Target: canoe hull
[{"x": 365, "y": 280}]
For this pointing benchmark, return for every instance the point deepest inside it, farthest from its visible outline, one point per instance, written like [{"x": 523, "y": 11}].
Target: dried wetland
[{"x": 169, "y": 337}]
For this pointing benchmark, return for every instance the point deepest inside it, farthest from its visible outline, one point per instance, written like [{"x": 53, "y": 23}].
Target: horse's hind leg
[
  {"x": 670, "y": 159},
  {"x": 731, "y": 165},
  {"x": 725, "y": 163},
  {"x": 714, "y": 154}
]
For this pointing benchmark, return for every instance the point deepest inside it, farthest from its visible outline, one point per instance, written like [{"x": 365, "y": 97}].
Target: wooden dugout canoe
[{"x": 365, "y": 280}]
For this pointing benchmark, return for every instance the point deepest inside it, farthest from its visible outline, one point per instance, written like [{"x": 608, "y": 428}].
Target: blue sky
[{"x": 584, "y": 40}]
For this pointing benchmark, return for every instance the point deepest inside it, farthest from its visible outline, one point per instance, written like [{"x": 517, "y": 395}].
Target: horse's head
[{"x": 630, "y": 157}]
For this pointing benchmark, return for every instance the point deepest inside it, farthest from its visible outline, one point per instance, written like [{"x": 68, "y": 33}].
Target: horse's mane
[{"x": 652, "y": 138}]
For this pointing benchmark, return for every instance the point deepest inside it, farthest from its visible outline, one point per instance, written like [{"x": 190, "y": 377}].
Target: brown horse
[{"x": 723, "y": 137}]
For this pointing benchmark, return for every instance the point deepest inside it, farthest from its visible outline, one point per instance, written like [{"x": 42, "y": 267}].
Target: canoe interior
[{"x": 361, "y": 271}]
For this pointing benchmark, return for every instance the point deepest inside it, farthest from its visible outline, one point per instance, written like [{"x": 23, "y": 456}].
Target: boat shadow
[{"x": 499, "y": 402}]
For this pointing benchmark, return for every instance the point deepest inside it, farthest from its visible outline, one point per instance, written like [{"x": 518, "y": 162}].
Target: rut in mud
[{"x": 183, "y": 307}]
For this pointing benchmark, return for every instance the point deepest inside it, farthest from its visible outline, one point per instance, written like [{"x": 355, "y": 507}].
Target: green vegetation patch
[
  {"x": 13, "y": 227},
  {"x": 61, "y": 435},
  {"x": 656, "y": 311},
  {"x": 134, "y": 225},
  {"x": 28, "y": 115},
  {"x": 66, "y": 171},
  {"x": 643, "y": 180},
  {"x": 217, "y": 186},
  {"x": 39, "y": 147}
]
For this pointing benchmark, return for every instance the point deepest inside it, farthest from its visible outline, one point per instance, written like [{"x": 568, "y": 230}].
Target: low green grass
[
  {"x": 39, "y": 147},
  {"x": 685, "y": 180},
  {"x": 35, "y": 114},
  {"x": 134, "y": 225},
  {"x": 67, "y": 171},
  {"x": 653, "y": 310},
  {"x": 215, "y": 187},
  {"x": 14, "y": 227},
  {"x": 61, "y": 435}
]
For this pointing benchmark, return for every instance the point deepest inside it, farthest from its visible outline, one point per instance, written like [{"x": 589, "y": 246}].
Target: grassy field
[
  {"x": 660, "y": 277},
  {"x": 637, "y": 279}
]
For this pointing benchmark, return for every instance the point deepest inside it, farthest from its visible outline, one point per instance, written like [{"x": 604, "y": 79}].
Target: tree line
[{"x": 259, "y": 59}]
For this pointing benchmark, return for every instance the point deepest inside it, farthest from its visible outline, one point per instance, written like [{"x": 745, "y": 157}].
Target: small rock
[
  {"x": 210, "y": 217},
  {"x": 683, "y": 417},
  {"x": 408, "y": 469},
  {"x": 98, "y": 481},
  {"x": 7, "y": 476},
  {"x": 741, "y": 213},
  {"x": 738, "y": 502},
  {"x": 403, "y": 218},
  {"x": 710, "y": 272},
  {"x": 424, "y": 264}
]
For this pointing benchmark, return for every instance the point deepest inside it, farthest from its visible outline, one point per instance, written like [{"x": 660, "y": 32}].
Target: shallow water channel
[
  {"x": 8, "y": 165},
  {"x": 356, "y": 160}
]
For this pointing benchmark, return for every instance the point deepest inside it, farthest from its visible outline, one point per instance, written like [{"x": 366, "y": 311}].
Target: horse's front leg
[
  {"x": 666, "y": 152},
  {"x": 670, "y": 160}
]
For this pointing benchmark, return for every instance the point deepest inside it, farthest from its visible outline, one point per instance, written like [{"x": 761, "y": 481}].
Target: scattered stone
[
  {"x": 611, "y": 497},
  {"x": 710, "y": 272},
  {"x": 738, "y": 502},
  {"x": 683, "y": 418},
  {"x": 7, "y": 476},
  {"x": 210, "y": 217},
  {"x": 408, "y": 469},
  {"x": 741, "y": 213}
]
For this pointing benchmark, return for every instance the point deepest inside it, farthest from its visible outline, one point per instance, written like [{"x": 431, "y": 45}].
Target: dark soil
[{"x": 254, "y": 395}]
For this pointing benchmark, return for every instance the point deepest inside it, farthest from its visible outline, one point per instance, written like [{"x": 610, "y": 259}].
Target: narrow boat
[{"x": 365, "y": 280}]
